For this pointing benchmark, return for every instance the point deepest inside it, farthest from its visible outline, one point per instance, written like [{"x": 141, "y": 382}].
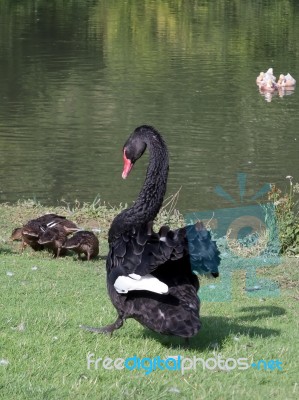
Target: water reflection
[
  {"x": 280, "y": 92},
  {"x": 77, "y": 77}
]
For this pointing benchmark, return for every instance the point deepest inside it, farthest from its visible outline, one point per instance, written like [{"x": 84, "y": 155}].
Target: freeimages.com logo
[{"x": 248, "y": 239}]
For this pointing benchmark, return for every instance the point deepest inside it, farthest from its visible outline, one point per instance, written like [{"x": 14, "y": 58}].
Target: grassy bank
[{"x": 43, "y": 353}]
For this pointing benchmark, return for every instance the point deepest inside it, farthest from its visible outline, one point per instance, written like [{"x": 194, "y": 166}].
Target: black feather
[{"x": 168, "y": 255}]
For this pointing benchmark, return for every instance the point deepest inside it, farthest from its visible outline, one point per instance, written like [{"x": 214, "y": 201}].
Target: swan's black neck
[{"x": 150, "y": 198}]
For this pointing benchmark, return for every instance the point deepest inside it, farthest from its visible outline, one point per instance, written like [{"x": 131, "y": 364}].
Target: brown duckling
[
  {"x": 83, "y": 242},
  {"x": 53, "y": 240},
  {"x": 16, "y": 234},
  {"x": 28, "y": 234},
  {"x": 33, "y": 229}
]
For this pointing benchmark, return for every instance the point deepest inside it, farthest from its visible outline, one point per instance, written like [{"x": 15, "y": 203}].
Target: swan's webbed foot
[{"x": 108, "y": 329}]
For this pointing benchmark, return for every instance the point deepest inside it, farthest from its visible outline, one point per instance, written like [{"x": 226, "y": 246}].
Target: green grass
[{"x": 43, "y": 302}]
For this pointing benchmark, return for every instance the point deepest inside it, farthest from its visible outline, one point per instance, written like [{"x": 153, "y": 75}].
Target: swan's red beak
[{"x": 128, "y": 165}]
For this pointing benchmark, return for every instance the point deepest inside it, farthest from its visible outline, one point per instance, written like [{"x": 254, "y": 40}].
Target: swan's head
[{"x": 134, "y": 148}]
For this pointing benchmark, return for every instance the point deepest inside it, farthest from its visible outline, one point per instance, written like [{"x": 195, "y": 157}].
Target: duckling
[
  {"x": 34, "y": 228},
  {"x": 16, "y": 234},
  {"x": 53, "y": 240},
  {"x": 29, "y": 234},
  {"x": 29, "y": 238},
  {"x": 83, "y": 242}
]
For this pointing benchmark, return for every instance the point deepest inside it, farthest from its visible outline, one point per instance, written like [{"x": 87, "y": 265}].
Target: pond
[{"x": 77, "y": 77}]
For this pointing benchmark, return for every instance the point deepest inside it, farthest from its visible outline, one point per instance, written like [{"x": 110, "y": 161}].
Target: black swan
[{"x": 149, "y": 274}]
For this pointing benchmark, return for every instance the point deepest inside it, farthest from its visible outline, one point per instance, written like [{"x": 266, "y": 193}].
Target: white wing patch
[
  {"x": 135, "y": 276},
  {"x": 125, "y": 284}
]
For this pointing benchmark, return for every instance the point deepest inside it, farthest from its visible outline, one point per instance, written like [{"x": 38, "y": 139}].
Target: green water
[{"x": 77, "y": 77}]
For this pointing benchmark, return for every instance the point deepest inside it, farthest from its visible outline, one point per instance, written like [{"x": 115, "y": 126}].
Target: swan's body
[{"x": 149, "y": 274}]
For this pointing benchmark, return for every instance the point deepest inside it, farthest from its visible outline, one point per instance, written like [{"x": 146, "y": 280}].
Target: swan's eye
[{"x": 128, "y": 154}]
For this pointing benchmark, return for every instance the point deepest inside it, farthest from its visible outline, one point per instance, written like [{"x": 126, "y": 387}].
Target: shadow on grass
[
  {"x": 260, "y": 312},
  {"x": 7, "y": 250},
  {"x": 216, "y": 330},
  {"x": 84, "y": 258}
]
